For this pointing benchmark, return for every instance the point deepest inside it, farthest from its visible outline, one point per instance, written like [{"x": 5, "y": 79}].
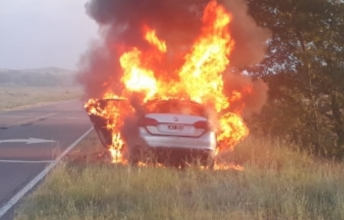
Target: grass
[
  {"x": 277, "y": 183},
  {"x": 15, "y": 96}
]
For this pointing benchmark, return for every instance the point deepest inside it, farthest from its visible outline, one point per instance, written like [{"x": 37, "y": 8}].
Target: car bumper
[
  {"x": 181, "y": 153},
  {"x": 206, "y": 142}
]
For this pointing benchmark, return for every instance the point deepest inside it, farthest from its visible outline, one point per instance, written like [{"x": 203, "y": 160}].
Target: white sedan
[{"x": 176, "y": 132}]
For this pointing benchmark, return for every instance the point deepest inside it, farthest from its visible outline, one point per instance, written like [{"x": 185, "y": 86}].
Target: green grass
[
  {"x": 13, "y": 96},
  {"x": 277, "y": 183}
]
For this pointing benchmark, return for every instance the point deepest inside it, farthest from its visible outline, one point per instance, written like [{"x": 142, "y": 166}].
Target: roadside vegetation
[
  {"x": 277, "y": 183},
  {"x": 17, "y": 96},
  {"x": 36, "y": 86},
  {"x": 304, "y": 69}
]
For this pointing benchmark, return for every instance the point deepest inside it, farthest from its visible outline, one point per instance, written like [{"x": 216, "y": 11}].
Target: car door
[{"x": 100, "y": 122}]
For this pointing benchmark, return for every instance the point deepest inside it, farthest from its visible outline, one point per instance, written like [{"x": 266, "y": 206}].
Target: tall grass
[{"x": 277, "y": 183}]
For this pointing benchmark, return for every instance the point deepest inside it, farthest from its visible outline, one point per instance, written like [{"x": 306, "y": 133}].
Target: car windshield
[{"x": 176, "y": 107}]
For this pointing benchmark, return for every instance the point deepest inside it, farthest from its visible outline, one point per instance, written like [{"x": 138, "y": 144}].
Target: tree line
[{"x": 304, "y": 69}]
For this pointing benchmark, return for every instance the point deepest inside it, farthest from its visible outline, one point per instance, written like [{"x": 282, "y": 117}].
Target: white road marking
[
  {"x": 39, "y": 177},
  {"x": 27, "y": 141},
  {"x": 26, "y": 161}
]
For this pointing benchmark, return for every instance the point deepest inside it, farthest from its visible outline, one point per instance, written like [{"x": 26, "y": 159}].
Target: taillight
[
  {"x": 148, "y": 122},
  {"x": 201, "y": 125}
]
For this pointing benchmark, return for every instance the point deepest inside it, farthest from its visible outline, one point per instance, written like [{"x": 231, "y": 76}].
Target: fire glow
[{"x": 199, "y": 79}]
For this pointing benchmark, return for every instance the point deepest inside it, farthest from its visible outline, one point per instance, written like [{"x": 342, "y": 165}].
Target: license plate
[{"x": 175, "y": 127}]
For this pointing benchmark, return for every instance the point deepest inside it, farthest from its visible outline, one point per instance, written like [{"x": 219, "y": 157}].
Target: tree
[{"x": 305, "y": 72}]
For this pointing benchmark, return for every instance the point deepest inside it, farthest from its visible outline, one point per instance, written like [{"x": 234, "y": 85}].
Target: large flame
[
  {"x": 201, "y": 74},
  {"x": 136, "y": 77},
  {"x": 199, "y": 78}
]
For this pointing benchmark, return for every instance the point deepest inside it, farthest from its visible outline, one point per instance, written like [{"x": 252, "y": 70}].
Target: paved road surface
[{"x": 31, "y": 139}]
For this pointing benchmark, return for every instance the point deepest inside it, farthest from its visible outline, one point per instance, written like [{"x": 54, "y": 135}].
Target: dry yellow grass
[
  {"x": 277, "y": 183},
  {"x": 12, "y": 96}
]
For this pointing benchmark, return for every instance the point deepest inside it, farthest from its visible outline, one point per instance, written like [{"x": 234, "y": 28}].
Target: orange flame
[
  {"x": 201, "y": 73},
  {"x": 199, "y": 78},
  {"x": 150, "y": 37},
  {"x": 137, "y": 78}
]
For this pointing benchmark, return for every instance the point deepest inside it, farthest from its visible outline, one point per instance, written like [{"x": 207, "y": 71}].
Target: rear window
[{"x": 176, "y": 107}]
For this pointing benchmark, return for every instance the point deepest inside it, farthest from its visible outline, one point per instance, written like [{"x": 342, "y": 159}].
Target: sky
[{"x": 44, "y": 33}]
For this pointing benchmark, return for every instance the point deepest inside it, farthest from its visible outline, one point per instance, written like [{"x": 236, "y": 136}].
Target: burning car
[
  {"x": 169, "y": 131},
  {"x": 152, "y": 91}
]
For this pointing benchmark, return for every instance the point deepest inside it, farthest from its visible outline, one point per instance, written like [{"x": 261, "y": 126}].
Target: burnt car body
[{"x": 169, "y": 131}]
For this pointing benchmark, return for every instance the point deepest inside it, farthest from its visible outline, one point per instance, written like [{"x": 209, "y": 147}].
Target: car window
[{"x": 176, "y": 107}]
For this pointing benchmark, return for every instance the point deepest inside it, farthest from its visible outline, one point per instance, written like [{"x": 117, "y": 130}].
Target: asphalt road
[{"x": 32, "y": 139}]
